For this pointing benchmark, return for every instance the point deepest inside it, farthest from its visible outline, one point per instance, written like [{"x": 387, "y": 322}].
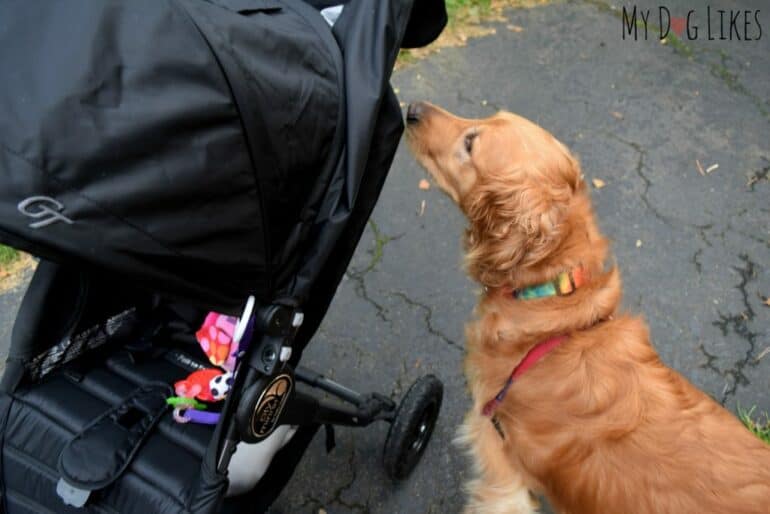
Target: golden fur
[{"x": 600, "y": 425}]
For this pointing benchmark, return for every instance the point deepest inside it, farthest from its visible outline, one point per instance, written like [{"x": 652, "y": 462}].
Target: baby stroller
[{"x": 163, "y": 159}]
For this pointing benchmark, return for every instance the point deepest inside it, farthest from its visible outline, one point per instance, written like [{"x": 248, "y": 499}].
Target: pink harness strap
[{"x": 537, "y": 352}]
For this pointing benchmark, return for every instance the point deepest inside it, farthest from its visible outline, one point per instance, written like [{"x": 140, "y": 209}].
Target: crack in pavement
[
  {"x": 361, "y": 291},
  {"x": 738, "y": 324},
  {"x": 359, "y": 276},
  {"x": 380, "y": 241},
  {"x": 696, "y": 261},
  {"x": 718, "y": 70},
  {"x": 401, "y": 378},
  {"x": 758, "y": 176},
  {"x": 428, "y": 317},
  {"x": 701, "y": 231},
  {"x": 710, "y": 360},
  {"x": 337, "y": 496},
  {"x": 647, "y": 182}
]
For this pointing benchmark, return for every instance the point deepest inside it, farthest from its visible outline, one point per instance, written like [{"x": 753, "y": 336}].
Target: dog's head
[{"x": 511, "y": 178}]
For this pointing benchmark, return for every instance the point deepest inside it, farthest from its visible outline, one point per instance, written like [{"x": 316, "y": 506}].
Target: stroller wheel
[{"x": 412, "y": 427}]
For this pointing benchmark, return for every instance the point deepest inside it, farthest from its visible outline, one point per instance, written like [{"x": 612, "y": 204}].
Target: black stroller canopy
[{"x": 210, "y": 150}]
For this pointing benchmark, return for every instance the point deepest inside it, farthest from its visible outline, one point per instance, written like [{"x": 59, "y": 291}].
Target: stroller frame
[{"x": 412, "y": 421}]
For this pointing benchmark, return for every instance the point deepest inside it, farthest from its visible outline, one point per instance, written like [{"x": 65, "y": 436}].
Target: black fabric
[
  {"x": 67, "y": 312},
  {"x": 428, "y": 19},
  {"x": 49, "y": 311},
  {"x": 116, "y": 436},
  {"x": 181, "y": 137},
  {"x": 165, "y": 475},
  {"x": 208, "y": 150}
]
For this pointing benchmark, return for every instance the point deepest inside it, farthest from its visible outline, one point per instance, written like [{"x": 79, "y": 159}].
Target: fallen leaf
[
  {"x": 418, "y": 363},
  {"x": 515, "y": 28},
  {"x": 762, "y": 354},
  {"x": 617, "y": 115},
  {"x": 638, "y": 243},
  {"x": 422, "y": 208},
  {"x": 711, "y": 168},
  {"x": 424, "y": 185},
  {"x": 598, "y": 183},
  {"x": 700, "y": 168},
  {"x": 767, "y": 301}
]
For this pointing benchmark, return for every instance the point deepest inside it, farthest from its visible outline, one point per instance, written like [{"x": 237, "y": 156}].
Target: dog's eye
[{"x": 469, "y": 141}]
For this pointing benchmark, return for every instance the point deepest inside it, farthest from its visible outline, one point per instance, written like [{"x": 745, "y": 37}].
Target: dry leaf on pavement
[
  {"x": 598, "y": 183},
  {"x": 424, "y": 185},
  {"x": 700, "y": 168}
]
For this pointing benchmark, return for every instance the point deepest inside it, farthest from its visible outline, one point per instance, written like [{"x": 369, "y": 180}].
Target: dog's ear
[{"x": 517, "y": 216}]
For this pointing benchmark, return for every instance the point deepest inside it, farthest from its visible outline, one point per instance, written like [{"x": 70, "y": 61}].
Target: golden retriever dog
[{"x": 592, "y": 418}]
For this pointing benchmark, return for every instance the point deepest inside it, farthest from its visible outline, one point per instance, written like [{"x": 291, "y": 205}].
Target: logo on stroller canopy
[
  {"x": 270, "y": 405},
  {"x": 44, "y": 208}
]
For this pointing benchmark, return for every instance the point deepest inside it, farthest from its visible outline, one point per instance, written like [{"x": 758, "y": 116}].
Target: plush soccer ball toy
[{"x": 220, "y": 386}]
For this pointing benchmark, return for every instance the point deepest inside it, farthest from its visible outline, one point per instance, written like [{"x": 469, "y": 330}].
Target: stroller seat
[{"x": 43, "y": 419}]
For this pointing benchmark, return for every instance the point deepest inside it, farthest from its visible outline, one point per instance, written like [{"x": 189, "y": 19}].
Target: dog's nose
[{"x": 414, "y": 112}]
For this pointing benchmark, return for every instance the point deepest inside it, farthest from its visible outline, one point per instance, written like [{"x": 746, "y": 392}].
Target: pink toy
[{"x": 216, "y": 338}]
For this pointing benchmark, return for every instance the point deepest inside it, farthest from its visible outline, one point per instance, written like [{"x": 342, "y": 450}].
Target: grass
[
  {"x": 8, "y": 255},
  {"x": 380, "y": 241},
  {"x": 759, "y": 427},
  {"x": 466, "y": 21},
  {"x": 460, "y": 10}
]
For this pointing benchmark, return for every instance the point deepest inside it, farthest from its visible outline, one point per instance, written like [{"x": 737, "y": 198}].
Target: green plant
[
  {"x": 8, "y": 255},
  {"x": 462, "y": 9},
  {"x": 758, "y": 427}
]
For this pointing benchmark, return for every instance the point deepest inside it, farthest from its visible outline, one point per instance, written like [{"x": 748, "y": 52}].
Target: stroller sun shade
[{"x": 208, "y": 149}]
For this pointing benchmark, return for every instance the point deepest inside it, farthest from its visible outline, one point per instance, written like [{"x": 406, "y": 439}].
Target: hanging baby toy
[{"x": 221, "y": 339}]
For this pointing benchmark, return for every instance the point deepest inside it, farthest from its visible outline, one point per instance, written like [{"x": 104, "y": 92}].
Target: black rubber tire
[{"x": 412, "y": 427}]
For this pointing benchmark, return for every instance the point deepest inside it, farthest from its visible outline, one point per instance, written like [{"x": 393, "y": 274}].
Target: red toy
[{"x": 198, "y": 385}]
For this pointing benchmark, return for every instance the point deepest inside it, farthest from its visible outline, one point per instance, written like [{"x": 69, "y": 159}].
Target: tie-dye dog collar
[{"x": 564, "y": 284}]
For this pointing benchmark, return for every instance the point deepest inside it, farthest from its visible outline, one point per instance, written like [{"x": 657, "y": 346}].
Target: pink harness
[{"x": 537, "y": 352}]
